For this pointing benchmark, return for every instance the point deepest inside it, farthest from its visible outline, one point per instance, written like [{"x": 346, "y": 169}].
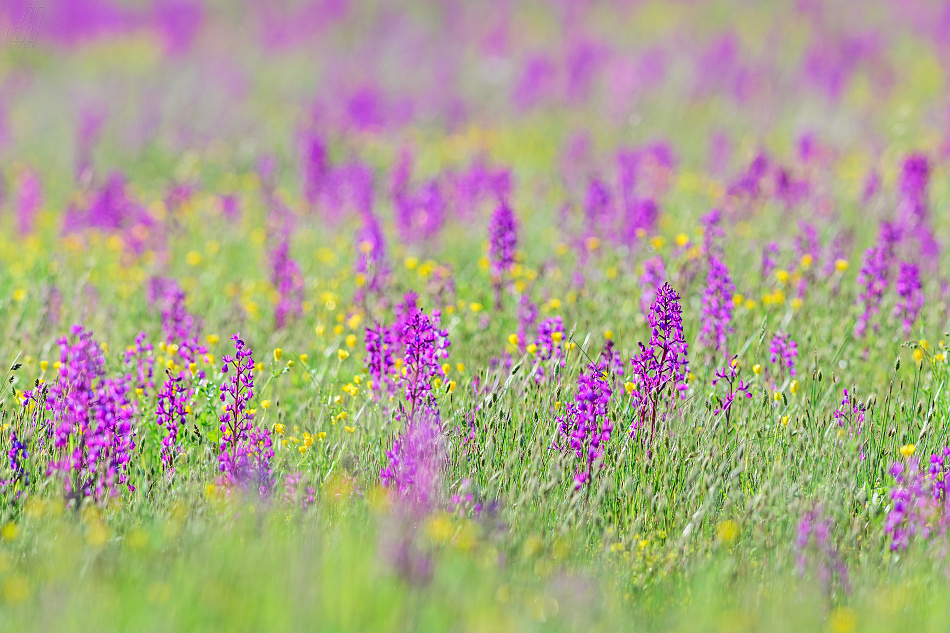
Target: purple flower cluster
[
  {"x": 92, "y": 420},
  {"x": 548, "y": 344},
  {"x": 170, "y": 415},
  {"x": 849, "y": 417},
  {"x": 585, "y": 423},
  {"x": 288, "y": 280},
  {"x": 17, "y": 455},
  {"x": 527, "y": 315},
  {"x": 611, "y": 359},
  {"x": 713, "y": 233},
  {"x": 654, "y": 274},
  {"x": 415, "y": 463},
  {"x": 598, "y": 208},
  {"x": 919, "y": 500},
  {"x": 371, "y": 257},
  {"x": 784, "y": 348},
  {"x": 661, "y": 364},
  {"x": 502, "y": 241},
  {"x": 717, "y": 306},
  {"x": 238, "y": 438},
  {"x": 29, "y": 197},
  {"x": 421, "y": 214},
  {"x": 815, "y": 549},
  {"x": 911, "y": 295},
  {"x": 141, "y": 354},
  {"x": 874, "y": 278},
  {"x": 295, "y": 494},
  {"x": 425, "y": 346},
  {"x": 179, "y": 327},
  {"x": 380, "y": 342}
]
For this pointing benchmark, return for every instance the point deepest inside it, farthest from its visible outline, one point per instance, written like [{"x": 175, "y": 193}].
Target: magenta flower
[
  {"x": 911, "y": 295},
  {"x": 717, "y": 307},
  {"x": 919, "y": 499},
  {"x": 874, "y": 277},
  {"x": 426, "y": 345},
  {"x": 92, "y": 421},
  {"x": 661, "y": 364},
  {"x": 784, "y": 348},
  {"x": 244, "y": 451},
  {"x": 415, "y": 463},
  {"x": 585, "y": 424},
  {"x": 502, "y": 240},
  {"x": 380, "y": 342},
  {"x": 170, "y": 415},
  {"x": 549, "y": 345},
  {"x": 288, "y": 280}
]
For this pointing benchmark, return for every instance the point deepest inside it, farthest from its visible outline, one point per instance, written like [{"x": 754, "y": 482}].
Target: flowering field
[{"x": 474, "y": 316}]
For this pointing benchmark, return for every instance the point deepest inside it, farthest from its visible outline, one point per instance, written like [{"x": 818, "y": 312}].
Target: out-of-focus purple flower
[
  {"x": 420, "y": 215},
  {"x": 29, "y": 198},
  {"x": 527, "y": 315},
  {"x": 912, "y": 210},
  {"x": 874, "y": 277},
  {"x": 598, "y": 208},
  {"x": 815, "y": 548},
  {"x": 502, "y": 242},
  {"x": 911, "y": 295},
  {"x": 288, "y": 280},
  {"x": 179, "y": 326},
  {"x": 640, "y": 217},
  {"x": 748, "y": 186},
  {"x": 717, "y": 307},
  {"x": 141, "y": 354},
  {"x": 713, "y": 233},
  {"x": 661, "y": 364},
  {"x": 872, "y": 184},
  {"x": 807, "y": 242},
  {"x": 415, "y": 463},
  {"x": 371, "y": 267},
  {"x": 549, "y": 345},
  {"x": 784, "y": 348},
  {"x": 611, "y": 359},
  {"x": 314, "y": 165},
  {"x": 536, "y": 83},
  {"x": 654, "y": 274},
  {"x": 296, "y": 495},
  {"x": 769, "y": 252},
  {"x": 849, "y": 417},
  {"x": 585, "y": 424},
  {"x": 919, "y": 500},
  {"x": 380, "y": 342}
]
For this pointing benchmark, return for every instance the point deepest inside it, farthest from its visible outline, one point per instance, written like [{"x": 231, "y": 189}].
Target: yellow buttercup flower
[
  {"x": 908, "y": 449},
  {"x": 342, "y": 354},
  {"x": 278, "y": 352}
]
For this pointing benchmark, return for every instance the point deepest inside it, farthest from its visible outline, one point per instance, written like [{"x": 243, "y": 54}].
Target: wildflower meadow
[{"x": 508, "y": 315}]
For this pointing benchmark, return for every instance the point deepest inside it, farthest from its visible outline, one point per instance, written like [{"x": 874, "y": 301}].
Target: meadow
[{"x": 498, "y": 316}]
